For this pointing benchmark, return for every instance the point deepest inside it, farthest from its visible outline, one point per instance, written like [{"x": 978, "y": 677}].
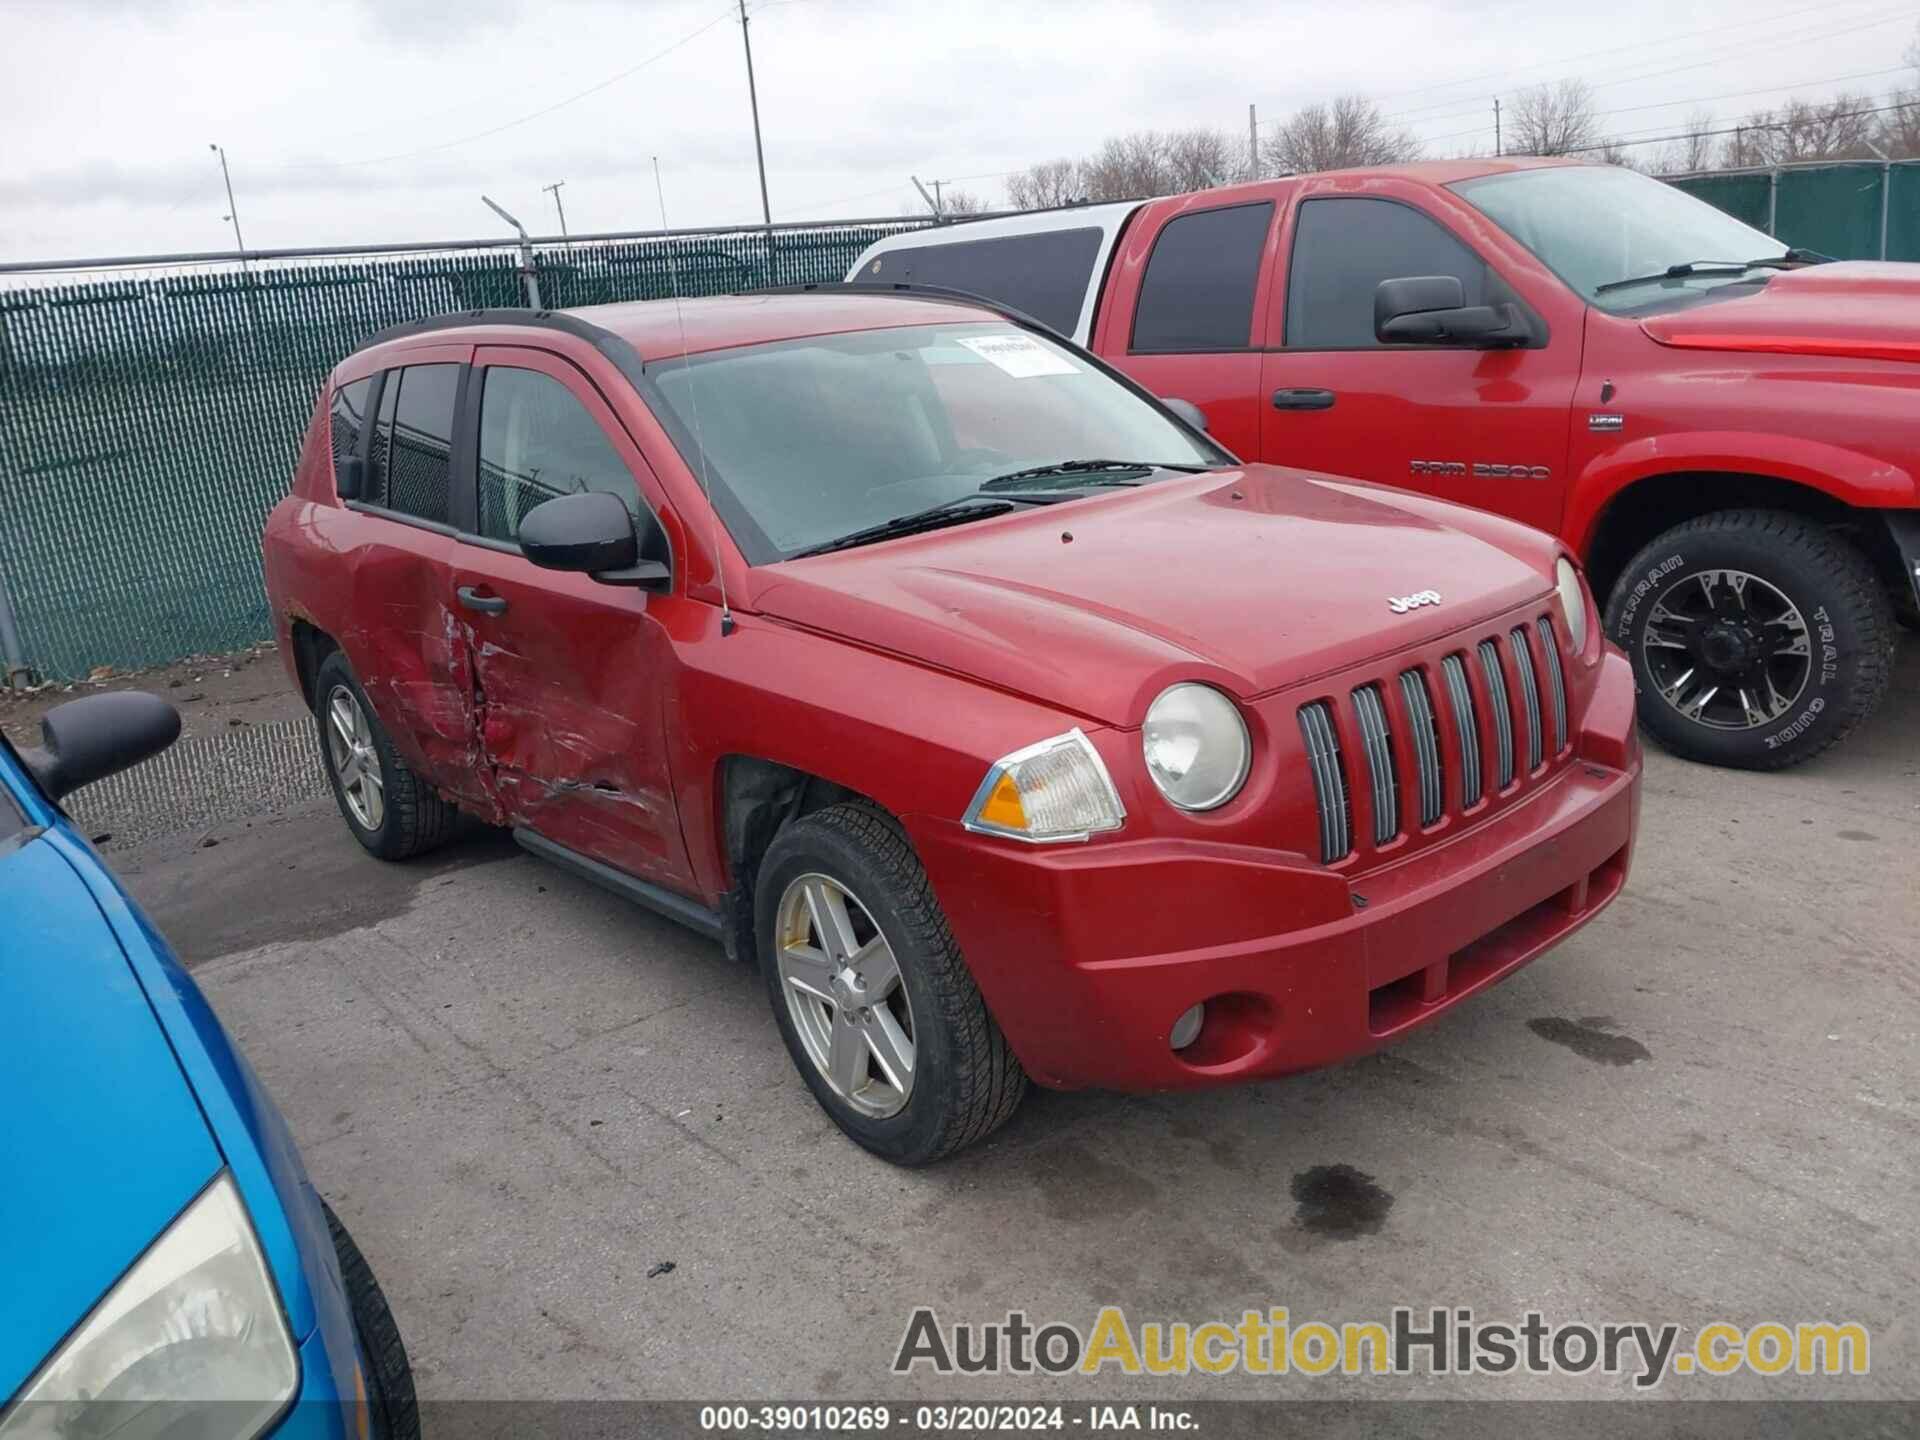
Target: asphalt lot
[{"x": 525, "y": 1096}]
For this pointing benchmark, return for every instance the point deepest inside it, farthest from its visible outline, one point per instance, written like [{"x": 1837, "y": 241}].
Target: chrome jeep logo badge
[{"x": 1401, "y": 604}]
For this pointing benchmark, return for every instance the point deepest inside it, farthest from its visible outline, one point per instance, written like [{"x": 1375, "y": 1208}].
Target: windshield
[
  {"x": 809, "y": 441},
  {"x": 1596, "y": 225}
]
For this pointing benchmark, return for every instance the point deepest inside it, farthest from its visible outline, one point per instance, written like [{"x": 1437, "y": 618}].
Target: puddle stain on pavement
[{"x": 204, "y": 782}]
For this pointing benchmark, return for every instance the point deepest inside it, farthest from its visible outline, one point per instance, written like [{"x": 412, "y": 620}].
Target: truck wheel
[
  {"x": 1758, "y": 638},
  {"x": 391, "y": 1404},
  {"x": 871, "y": 994},
  {"x": 391, "y": 811}
]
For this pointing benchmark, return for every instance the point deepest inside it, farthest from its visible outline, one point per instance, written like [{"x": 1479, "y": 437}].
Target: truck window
[
  {"x": 419, "y": 451},
  {"x": 536, "y": 442},
  {"x": 1198, "y": 289},
  {"x": 1045, "y": 274},
  {"x": 1343, "y": 249}
]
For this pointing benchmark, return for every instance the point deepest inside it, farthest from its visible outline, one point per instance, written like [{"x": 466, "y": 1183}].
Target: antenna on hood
[{"x": 693, "y": 399}]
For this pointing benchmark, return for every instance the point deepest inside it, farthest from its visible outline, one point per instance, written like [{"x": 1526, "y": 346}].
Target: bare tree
[
  {"x": 962, "y": 202},
  {"x": 1346, "y": 131},
  {"x": 1835, "y": 129},
  {"x": 1898, "y": 131},
  {"x": 1126, "y": 166},
  {"x": 1693, "y": 151},
  {"x": 1202, "y": 158},
  {"x": 1049, "y": 184},
  {"x": 1555, "y": 119}
]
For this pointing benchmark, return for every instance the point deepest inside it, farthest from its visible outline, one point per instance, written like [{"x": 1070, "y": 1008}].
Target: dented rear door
[{"x": 570, "y": 676}]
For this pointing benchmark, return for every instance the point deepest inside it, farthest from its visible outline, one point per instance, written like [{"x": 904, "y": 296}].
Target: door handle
[
  {"x": 1303, "y": 399},
  {"x": 485, "y": 604}
]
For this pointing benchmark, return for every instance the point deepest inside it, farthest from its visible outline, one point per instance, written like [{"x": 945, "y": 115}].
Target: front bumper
[{"x": 1087, "y": 954}]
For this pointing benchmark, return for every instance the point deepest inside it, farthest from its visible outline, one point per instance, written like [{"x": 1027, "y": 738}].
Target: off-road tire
[
  {"x": 1830, "y": 582},
  {"x": 966, "y": 1080},
  {"x": 391, "y": 1403},
  {"x": 416, "y": 819}
]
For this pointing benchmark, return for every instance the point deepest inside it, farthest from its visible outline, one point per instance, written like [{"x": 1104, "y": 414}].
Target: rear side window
[
  {"x": 1198, "y": 290},
  {"x": 1044, "y": 275},
  {"x": 1343, "y": 249},
  {"x": 348, "y": 419},
  {"x": 415, "y": 439},
  {"x": 536, "y": 442}
]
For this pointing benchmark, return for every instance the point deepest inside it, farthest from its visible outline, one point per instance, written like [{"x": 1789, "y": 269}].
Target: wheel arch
[
  {"x": 756, "y": 799},
  {"x": 311, "y": 646},
  {"x": 1653, "y": 503}
]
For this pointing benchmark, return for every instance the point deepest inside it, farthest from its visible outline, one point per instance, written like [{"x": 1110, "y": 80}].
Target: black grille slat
[
  {"x": 1460, "y": 694},
  {"x": 1529, "y": 694},
  {"x": 1329, "y": 781},
  {"x": 1426, "y": 745},
  {"x": 1556, "y": 682},
  {"x": 1502, "y": 710},
  {"x": 1374, "y": 735}
]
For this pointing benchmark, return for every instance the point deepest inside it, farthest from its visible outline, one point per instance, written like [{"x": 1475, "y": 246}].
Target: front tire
[
  {"x": 391, "y": 1403},
  {"x": 391, "y": 811},
  {"x": 875, "y": 1003},
  {"x": 1758, "y": 638}
]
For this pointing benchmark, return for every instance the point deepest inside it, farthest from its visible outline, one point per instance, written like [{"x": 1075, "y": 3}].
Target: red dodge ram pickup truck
[
  {"x": 1726, "y": 434},
  {"x": 1013, "y": 728}
]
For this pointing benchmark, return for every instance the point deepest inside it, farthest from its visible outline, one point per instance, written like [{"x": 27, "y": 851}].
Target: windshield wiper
[
  {"x": 1084, "y": 472},
  {"x": 970, "y": 506},
  {"x": 1691, "y": 267}
]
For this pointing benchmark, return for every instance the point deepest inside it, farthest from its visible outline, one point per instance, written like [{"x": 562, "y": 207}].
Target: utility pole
[
  {"x": 1496, "y": 127},
  {"x": 554, "y": 190},
  {"x": 753, "y": 99},
  {"x": 233, "y": 210},
  {"x": 1253, "y": 146},
  {"x": 933, "y": 199}
]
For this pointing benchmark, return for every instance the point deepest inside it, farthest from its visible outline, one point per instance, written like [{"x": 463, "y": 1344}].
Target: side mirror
[
  {"x": 1430, "y": 310},
  {"x": 1187, "y": 411},
  {"x": 592, "y": 534},
  {"x": 88, "y": 739},
  {"x": 350, "y": 477}
]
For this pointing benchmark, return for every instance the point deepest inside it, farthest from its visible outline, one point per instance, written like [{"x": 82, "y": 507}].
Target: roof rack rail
[{"x": 907, "y": 290}]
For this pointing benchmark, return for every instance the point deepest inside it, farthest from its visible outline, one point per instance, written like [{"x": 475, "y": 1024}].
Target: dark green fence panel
[
  {"x": 1742, "y": 196},
  {"x": 1835, "y": 209},
  {"x": 148, "y": 425}
]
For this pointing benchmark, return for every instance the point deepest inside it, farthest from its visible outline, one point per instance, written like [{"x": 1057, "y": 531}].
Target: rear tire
[
  {"x": 963, "y": 1081},
  {"x": 1758, "y": 638},
  {"x": 391, "y": 1403},
  {"x": 391, "y": 811}
]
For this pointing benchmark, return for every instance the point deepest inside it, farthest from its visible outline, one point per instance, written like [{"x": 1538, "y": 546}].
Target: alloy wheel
[
  {"x": 355, "y": 759},
  {"x": 842, "y": 985},
  {"x": 1727, "y": 650}
]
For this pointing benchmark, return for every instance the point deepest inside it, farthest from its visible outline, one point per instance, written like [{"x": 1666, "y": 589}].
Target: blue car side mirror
[{"x": 88, "y": 739}]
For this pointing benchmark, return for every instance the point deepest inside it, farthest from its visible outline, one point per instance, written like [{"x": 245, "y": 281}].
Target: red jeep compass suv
[{"x": 1011, "y": 726}]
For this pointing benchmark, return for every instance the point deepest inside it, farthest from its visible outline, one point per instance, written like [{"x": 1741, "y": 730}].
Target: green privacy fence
[
  {"x": 1861, "y": 210},
  {"x": 149, "y": 422}
]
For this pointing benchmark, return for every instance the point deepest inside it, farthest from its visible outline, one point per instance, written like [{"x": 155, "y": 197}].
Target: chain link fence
[
  {"x": 1851, "y": 210},
  {"x": 150, "y": 415}
]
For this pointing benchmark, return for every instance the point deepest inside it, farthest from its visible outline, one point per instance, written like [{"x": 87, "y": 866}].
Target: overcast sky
[{"x": 349, "y": 121}]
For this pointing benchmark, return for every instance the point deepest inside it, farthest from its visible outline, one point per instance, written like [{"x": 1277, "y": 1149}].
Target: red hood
[
  {"x": 1252, "y": 580},
  {"x": 1855, "y": 310}
]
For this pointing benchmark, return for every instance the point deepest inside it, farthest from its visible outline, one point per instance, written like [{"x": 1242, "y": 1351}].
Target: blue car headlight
[{"x": 196, "y": 1324}]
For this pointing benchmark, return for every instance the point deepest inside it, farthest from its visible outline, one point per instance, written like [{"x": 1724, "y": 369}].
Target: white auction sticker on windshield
[{"x": 1021, "y": 356}]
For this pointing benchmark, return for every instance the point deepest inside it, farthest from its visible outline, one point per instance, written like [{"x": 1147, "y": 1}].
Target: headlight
[
  {"x": 1196, "y": 745},
  {"x": 196, "y": 1322},
  {"x": 1056, "y": 790},
  {"x": 1573, "y": 602}
]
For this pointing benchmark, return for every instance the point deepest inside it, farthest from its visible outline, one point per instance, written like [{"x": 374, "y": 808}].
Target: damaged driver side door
[{"x": 570, "y": 675}]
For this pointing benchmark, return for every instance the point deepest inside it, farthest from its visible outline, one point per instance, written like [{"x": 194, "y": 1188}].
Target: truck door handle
[
  {"x": 485, "y": 604},
  {"x": 1303, "y": 399}
]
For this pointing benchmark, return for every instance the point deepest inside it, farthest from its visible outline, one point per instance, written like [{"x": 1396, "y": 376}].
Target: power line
[
  {"x": 1735, "y": 129},
  {"x": 578, "y": 95}
]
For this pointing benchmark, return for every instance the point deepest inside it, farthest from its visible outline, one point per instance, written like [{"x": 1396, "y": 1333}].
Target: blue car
[{"x": 169, "y": 1269}]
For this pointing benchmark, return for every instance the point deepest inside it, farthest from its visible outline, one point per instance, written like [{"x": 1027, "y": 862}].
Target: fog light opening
[{"x": 1186, "y": 1029}]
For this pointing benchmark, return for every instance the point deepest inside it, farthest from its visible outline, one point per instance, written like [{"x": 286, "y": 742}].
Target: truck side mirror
[{"x": 1431, "y": 310}]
